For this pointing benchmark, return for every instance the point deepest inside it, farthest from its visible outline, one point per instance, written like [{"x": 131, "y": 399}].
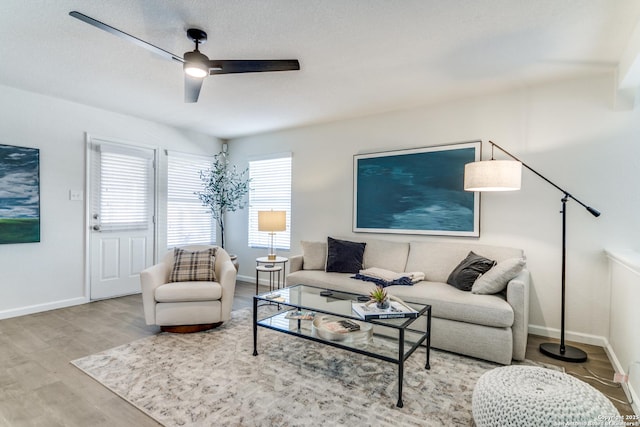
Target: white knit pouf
[{"x": 533, "y": 396}]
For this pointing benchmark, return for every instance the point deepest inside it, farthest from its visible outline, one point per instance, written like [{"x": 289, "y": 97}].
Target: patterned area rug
[{"x": 212, "y": 378}]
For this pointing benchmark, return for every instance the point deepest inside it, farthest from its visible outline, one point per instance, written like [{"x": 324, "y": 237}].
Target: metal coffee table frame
[{"x": 292, "y": 297}]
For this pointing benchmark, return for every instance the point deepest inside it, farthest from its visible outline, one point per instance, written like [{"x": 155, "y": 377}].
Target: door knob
[{"x": 96, "y": 228}]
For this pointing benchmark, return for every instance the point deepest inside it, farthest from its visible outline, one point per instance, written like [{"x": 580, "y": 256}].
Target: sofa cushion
[
  {"x": 344, "y": 256},
  {"x": 189, "y": 266},
  {"x": 385, "y": 254},
  {"x": 314, "y": 255},
  {"x": 446, "y": 301},
  {"x": 437, "y": 259},
  {"x": 336, "y": 281},
  {"x": 451, "y": 303},
  {"x": 188, "y": 313},
  {"x": 497, "y": 278},
  {"x": 469, "y": 270},
  {"x": 188, "y": 291}
]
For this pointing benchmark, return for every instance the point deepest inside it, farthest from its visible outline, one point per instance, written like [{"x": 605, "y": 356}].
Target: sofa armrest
[
  {"x": 518, "y": 298},
  {"x": 295, "y": 263},
  {"x": 226, "y": 276},
  {"x": 150, "y": 279}
]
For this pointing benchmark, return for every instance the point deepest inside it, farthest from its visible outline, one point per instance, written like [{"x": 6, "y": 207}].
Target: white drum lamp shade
[
  {"x": 272, "y": 221},
  {"x": 493, "y": 175}
]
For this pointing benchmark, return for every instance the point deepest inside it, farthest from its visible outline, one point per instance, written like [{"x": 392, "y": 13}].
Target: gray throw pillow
[
  {"x": 344, "y": 256},
  {"x": 468, "y": 271},
  {"x": 314, "y": 255},
  {"x": 496, "y": 279}
]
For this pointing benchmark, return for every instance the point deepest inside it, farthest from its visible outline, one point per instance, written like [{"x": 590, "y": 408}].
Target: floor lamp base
[{"x": 571, "y": 354}]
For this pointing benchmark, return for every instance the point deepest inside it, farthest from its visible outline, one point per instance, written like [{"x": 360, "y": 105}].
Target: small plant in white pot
[{"x": 380, "y": 297}]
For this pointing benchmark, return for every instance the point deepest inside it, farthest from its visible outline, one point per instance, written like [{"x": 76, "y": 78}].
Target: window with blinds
[
  {"x": 270, "y": 190},
  {"x": 188, "y": 221},
  {"x": 123, "y": 196}
]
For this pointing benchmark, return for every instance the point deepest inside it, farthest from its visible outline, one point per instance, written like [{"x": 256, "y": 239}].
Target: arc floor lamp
[{"x": 506, "y": 175}]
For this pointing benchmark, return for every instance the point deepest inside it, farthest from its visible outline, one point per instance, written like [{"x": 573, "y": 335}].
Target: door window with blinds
[
  {"x": 270, "y": 190},
  {"x": 123, "y": 199},
  {"x": 188, "y": 221}
]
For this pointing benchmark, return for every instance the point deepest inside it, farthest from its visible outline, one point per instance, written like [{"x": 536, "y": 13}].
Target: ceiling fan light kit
[{"x": 195, "y": 64}]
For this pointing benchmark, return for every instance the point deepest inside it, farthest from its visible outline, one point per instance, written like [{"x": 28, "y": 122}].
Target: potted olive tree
[{"x": 224, "y": 189}]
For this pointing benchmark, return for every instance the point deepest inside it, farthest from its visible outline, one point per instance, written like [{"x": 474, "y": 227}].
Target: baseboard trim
[
  {"x": 262, "y": 281},
  {"x": 249, "y": 279},
  {"x": 632, "y": 394},
  {"x": 579, "y": 337},
  {"x": 38, "y": 308}
]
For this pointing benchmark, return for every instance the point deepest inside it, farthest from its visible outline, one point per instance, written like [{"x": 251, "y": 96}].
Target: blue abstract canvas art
[
  {"x": 19, "y": 194},
  {"x": 417, "y": 191}
]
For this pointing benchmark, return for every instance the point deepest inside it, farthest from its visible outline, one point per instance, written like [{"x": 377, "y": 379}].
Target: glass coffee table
[{"x": 391, "y": 340}]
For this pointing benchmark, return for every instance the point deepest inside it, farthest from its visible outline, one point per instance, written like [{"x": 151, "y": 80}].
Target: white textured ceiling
[{"x": 357, "y": 57}]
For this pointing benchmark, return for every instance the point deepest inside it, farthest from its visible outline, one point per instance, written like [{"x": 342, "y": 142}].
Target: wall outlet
[
  {"x": 76, "y": 195},
  {"x": 620, "y": 378}
]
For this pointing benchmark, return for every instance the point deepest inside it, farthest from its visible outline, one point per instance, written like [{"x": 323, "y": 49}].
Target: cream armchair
[{"x": 188, "y": 306}]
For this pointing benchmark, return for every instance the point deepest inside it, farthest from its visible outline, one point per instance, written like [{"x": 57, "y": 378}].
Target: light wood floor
[
  {"x": 39, "y": 387},
  {"x": 596, "y": 367}
]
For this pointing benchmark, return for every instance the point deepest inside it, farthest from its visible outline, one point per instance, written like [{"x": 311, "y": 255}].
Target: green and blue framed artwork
[
  {"x": 19, "y": 194},
  {"x": 416, "y": 191}
]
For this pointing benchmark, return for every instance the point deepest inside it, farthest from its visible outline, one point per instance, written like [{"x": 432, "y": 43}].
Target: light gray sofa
[{"x": 491, "y": 327}]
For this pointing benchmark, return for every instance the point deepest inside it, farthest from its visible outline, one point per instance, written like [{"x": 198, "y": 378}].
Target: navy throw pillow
[
  {"x": 468, "y": 271},
  {"x": 344, "y": 256}
]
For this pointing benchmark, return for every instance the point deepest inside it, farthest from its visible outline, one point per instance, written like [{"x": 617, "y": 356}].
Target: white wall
[
  {"x": 569, "y": 131},
  {"x": 51, "y": 274}
]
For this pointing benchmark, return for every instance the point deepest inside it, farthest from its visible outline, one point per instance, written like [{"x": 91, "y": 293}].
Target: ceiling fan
[{"x": 196, "y": 65}]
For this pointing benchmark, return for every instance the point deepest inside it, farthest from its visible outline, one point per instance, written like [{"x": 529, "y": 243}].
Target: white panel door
[{"x": 122, "y": 206}]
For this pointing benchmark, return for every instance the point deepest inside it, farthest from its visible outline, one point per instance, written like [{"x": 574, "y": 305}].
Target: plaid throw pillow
[{"x": 191, "y": 266}]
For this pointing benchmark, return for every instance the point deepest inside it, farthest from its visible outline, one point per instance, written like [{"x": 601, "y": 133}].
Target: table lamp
[{"x": 272, "y": 221}]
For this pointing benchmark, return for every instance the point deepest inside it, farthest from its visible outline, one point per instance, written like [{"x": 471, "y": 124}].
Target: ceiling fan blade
[
  {"x": 192, "y": 86},
  {"x": 252, "y": 66},
  {"x": 126, "y": 36}
]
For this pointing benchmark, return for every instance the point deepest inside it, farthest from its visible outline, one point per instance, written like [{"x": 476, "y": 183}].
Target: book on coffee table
[
  {"x": 396, "y": 310},
  {"x": 300, "y": 315}
]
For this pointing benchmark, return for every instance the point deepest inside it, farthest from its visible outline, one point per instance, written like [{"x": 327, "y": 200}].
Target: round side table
[
  {"x": 272, "y": 266},
  {"x": 234, "y": 260},
  {"x": 273, "y": 270}
]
